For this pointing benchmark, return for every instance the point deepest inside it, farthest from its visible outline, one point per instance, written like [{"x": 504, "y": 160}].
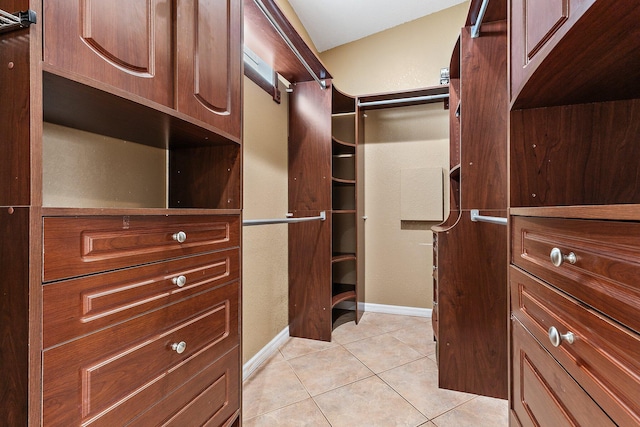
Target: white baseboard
[
  {"x": 398, "y": 309},
  {"x": 266, "y": 352},
  {"x": 273, "y": 346}
]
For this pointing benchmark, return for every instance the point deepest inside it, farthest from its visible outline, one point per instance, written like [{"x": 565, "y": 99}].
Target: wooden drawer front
[
  {"x": 75, "y": 246},
  {"x": 604, "y": 358},
  {"x": 77, "y": 307},
  {"x": 607, "y": 267},
  {"x": 212, "y": 397},
  {"x": 112, "y": 375},
  {"x": 543, "y": 394}
]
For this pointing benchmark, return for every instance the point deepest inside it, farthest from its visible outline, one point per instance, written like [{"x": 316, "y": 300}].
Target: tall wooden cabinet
[
  {"x": 470, "y": 258},
  {"x": 574, "y": 213},
  {"x": 112, "y": 314},
  {"x": 326, "y": 259},
  {"x": 130, "y": 45}
]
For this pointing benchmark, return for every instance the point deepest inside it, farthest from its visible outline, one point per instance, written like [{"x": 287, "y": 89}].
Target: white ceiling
[{"x": 331, "y": 23}]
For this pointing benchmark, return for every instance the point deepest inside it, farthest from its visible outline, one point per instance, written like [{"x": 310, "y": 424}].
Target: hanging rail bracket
[
  {"x": 16, "y": 21},
  {"x": 476, "y": 217},
  {"x": 475, "y": 29}
]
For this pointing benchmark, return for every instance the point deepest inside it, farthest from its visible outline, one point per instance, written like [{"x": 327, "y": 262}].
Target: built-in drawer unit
[
  {"x": 76, "y": 307},
  {"x": 208, "y": 400},
  {"x": 543, "y": 393},
  {"x": 600, "y": 354},
  {"x": 111, "y": 376},
  {"x": 597, "y": 262},
  {"x": 75, "y": 246}
]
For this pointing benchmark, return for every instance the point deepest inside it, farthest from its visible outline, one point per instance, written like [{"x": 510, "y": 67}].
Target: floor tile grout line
[
  {"x": 433, "y": 420},
  {"x": 336, "y": 344},
  {"x": 401, "y": 395}
]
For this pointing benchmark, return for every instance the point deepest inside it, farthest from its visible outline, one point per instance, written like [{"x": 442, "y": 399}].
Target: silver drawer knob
[
  {"x": 557, "y": 257},
  {"x": 180, "y": 281},
  {"x": 557, "y": 338},
  {"x": 179, "y": 347},
  {"x": 180, "y": 237}
]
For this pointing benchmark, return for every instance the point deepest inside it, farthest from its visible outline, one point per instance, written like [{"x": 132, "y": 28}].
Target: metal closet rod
[
  {"x": 276, "y": 26},
  {"x": 249, "y": 222},
  {"x": 475, "y": 29},
  {"x": 403, "y": 100},
  {"x": 475, "y": 217}
]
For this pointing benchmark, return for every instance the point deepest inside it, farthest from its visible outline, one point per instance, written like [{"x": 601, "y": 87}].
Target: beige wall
[
  {"x": 408, "y": 56},
  {"x": 399, "y": 254},
  {"x": 264, "y": 262},
  {"x": 82, "y": 169}
]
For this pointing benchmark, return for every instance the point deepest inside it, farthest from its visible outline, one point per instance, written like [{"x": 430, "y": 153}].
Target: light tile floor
[{"x": 381, "y": 372}]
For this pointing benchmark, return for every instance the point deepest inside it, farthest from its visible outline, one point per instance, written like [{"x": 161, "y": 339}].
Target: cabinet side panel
[
  {"x": 205, "y": 177},
  {"x": 309, "y": 148},
  {"x": 484, "y": 115},
  {"x": 14, "y": 118},
  {"x": 360, "y": 216},
  {"x": 310, "y": 278},
  {"x": 14, "y": 316},
  {"x": 472, "y": 307}
]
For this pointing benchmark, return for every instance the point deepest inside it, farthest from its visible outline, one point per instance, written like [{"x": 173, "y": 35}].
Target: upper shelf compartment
[
  {"x": 573, "y": 52},
  {"x": 162, "y": 91},
  {"x": 269, "y": 34}
]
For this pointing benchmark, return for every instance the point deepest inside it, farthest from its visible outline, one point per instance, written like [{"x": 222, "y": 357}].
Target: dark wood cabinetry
[
  {"x": 574, "y": 213},
  {"x": 209, "y": 62},
  {"x": 115, "y": 314},
  {"x": 543, "y": 392},
  {"x": 470, "y": 258},
  {"x": 186, "y": 57},
  {"x": 326, "y": 259},
  {"x": 126, "y": 44}
]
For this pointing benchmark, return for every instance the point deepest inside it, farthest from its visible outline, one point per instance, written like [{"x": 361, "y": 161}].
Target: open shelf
[
  {"x": 339, "y": 147},
  {"x": 454, "y": 173},
  {"x": 340, "y": 181},
  {"x": 342, "y": 257},
  {"x": 342, "y": 292}
]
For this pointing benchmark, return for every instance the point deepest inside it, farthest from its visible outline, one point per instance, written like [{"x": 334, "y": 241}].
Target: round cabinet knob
[
  {"x": 557, "y": 338},
  {"x": 180, "y": 281},
  {"x": 180, "y": 237},
  {"x": 179, "y": 347},
  {"x": 557, "y": 257}
]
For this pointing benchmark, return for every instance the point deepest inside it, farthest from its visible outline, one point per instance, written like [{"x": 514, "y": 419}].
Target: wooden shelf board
[
  {"x": 341, "y": 257},
  {"x": 340, "y": 181},
  {"x": 630, "y": 212},
  {"x": 402, "y": 95}
]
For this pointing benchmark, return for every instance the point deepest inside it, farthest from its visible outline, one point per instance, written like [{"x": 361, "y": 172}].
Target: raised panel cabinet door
[
  {"x": 209, "y": 55},
  {"x": 122, "y": 43}
]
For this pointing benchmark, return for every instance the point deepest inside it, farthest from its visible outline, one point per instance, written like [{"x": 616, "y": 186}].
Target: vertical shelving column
[{"x": 344, "y": 233}]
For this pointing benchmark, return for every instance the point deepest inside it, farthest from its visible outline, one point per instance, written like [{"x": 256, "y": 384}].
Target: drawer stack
[
  {"x": 575, "y": 296},
  {"x": 141, "y": 320}
]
